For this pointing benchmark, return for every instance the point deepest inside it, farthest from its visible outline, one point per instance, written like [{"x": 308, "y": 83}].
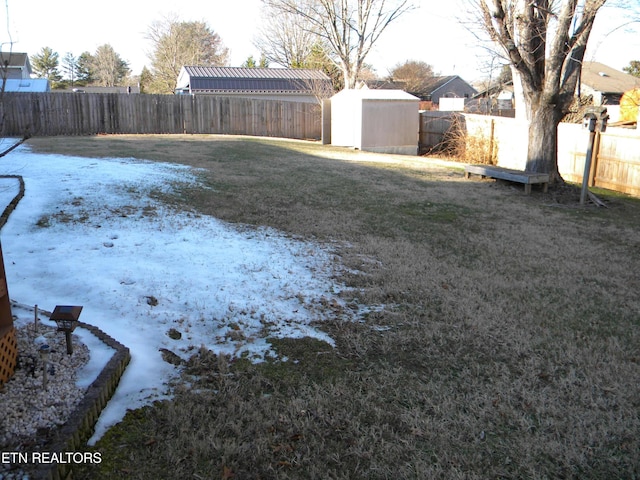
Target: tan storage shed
[{"x": 383, "y": 121}]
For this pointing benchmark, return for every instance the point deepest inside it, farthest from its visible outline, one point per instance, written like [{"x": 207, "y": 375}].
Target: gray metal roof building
[{"x": 265, "y": 83}]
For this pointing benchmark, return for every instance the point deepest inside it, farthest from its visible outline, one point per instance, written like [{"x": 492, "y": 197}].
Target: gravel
[{"x": 29, "y": 412}]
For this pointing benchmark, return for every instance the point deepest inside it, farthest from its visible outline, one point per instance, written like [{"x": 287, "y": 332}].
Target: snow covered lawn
[{"x": 88, "y": 232}]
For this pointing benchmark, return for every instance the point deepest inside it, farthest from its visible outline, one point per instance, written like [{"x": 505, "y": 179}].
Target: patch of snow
[{"x": 88, "y": 232}]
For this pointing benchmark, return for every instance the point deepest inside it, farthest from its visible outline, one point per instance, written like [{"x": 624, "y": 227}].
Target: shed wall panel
[{"x": 390, "y": 126}]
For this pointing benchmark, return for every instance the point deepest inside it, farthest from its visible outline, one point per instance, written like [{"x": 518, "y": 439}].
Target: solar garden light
[
  {"x": 44, "y": 355},
  {"x": 66, "y": 317}
]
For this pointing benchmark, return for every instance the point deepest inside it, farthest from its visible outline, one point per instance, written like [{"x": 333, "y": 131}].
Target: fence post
[{"x": 594, "y": 159}]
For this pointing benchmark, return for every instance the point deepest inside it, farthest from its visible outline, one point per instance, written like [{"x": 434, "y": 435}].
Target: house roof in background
[
  {"x": 15, "y": 59},
  {"x": 605, "y": 79},
  {"x": 240, "y": 79},
  {"x": 438, "y": 82}
]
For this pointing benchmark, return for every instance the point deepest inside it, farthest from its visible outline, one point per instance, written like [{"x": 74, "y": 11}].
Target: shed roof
[
  {"x": 375, "y": 94},
  {"x": 605, "y": 79}
]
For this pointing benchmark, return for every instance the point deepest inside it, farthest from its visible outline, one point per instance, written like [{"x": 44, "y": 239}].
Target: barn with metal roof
[{"x": 292, "y": 84}]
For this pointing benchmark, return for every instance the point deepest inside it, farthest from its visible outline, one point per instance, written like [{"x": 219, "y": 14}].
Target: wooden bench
[{"x": 528, "y": 178}]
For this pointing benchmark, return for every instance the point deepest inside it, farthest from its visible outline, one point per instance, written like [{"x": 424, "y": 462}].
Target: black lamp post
[{"x": 66, "y": 317}]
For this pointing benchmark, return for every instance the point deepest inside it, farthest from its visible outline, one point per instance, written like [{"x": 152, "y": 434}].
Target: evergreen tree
[
  {"x": 84, "y": 72},
  {"x": 45, "y": 64},
  {"x": 264, "y": 62},
  {"x": 70, "y": 68},
  {"x": 250, "y": 62},
  {"x": 146, "y": 79}
]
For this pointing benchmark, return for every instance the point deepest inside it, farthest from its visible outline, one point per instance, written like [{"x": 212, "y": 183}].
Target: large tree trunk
[
  {"x": 542, "y": 152},
  {"x": 349, "y": 76}
]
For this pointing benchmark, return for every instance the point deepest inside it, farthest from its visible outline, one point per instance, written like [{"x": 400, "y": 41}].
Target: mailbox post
[{"x": 595, "y": 119}]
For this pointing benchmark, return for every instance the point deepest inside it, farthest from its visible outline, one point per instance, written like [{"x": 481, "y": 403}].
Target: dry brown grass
[
  {"x": 459, "y": 145},
  {"x": 508, "y": 345}
]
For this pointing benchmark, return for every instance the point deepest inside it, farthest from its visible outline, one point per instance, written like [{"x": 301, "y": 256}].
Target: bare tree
[
  {"x": 544, "y": 42},
  {"x": 285, "y": 38},
  {"x": 348, "y": 28},
  {"x": 108, "y": 68},
  {"x": 176, "y": 44},
  {"x": 414, "y": 74}
]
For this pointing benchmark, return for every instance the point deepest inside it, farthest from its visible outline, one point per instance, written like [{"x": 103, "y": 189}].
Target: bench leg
[
  {"x": 545, "y": 187},
  {"x": 467, "y": 175},
  {"x": 527, "y": 188}
]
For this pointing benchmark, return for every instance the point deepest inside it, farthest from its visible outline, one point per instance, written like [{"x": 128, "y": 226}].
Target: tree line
[
  {"x": 294, "y": 34},
  {"x": 103, "y": 68}
]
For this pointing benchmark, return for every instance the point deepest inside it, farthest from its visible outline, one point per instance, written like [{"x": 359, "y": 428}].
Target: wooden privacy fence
[
  {"x": 615, "y": 164},
  {"x": 433, "y": 126},
  {"x": 49, "y": 114}
]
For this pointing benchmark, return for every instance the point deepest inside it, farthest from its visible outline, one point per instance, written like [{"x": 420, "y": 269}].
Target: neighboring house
[
  {"x": 17, "y": 72},
  {"x": 605, "y": 84},
  {"x": 291, "y": 84},
  {"x": 496, "y": 100},
  {"x": 451, "y": 86},
  {"x": 16, "y": 65}
]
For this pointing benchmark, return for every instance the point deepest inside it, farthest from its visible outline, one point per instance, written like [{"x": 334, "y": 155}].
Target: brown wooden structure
[
  {"x": 8, "y": 341},
  {"x": 50, "y": 114}
]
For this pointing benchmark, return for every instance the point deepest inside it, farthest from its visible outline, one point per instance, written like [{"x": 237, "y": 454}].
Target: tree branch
[{"x": 26, "y": 137}]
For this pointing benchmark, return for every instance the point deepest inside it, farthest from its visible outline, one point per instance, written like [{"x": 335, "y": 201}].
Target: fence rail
[{"x": 49, "y": 114}]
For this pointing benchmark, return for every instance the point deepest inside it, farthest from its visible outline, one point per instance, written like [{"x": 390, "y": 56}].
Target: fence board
[
  {"x": 616, "y": 162},
  {"x": 55, "y": 113}
]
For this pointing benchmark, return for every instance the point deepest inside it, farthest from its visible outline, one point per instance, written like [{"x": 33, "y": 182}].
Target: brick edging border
[{"x": 78, "y": 428}]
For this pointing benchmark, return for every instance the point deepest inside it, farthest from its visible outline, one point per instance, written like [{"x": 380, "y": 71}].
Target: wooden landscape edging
[{"x": 73, "y": 435}]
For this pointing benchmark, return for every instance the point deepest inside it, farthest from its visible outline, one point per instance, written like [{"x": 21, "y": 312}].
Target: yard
[{"x": 502, "y": 338}]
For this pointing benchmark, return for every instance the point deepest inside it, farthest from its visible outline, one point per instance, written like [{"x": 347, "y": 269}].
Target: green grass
[{"x": 502, "y": 340}]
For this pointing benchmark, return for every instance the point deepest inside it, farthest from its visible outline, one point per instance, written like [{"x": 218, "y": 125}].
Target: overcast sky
[{"x": 431, "y": 33}]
